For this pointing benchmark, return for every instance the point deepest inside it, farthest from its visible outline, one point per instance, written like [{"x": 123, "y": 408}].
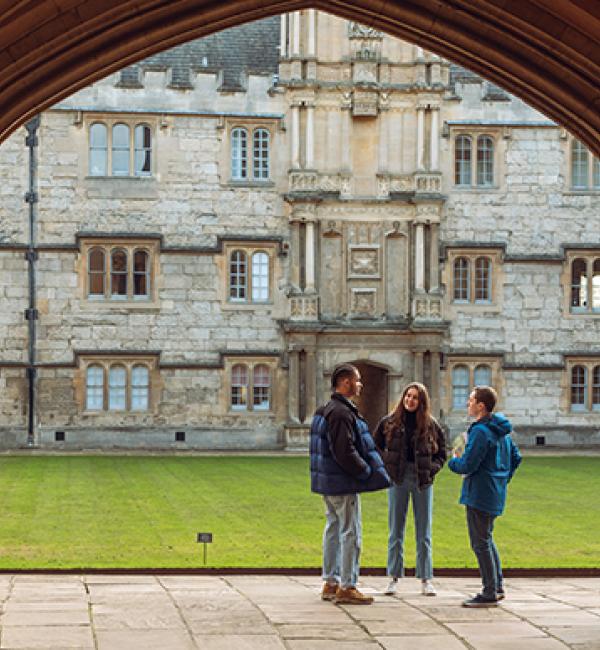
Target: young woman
[{"x": 413, "y": 448}]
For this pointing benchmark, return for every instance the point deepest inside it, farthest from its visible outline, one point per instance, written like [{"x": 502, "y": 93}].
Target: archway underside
[{"x": 549, "y": 56}]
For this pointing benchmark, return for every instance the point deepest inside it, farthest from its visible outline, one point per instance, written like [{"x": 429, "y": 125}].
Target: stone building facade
[{"x": 206, "y": 234}]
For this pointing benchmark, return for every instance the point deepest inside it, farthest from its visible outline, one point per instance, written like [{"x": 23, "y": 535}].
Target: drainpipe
[{"x": 31, "y": 313}]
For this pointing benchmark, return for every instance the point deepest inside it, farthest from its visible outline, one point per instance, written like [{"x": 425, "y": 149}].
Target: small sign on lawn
[{"x": 204, "y": 538}]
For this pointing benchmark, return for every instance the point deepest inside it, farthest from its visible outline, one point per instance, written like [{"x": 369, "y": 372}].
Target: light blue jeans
[
  {"x": 422, "y": 500},
  {"x": 342, "y": 539}
]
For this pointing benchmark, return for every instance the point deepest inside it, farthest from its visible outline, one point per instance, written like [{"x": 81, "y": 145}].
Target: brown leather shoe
[
  {"x": 351, "y": 596},
  {"x": 329, "y": 591}
]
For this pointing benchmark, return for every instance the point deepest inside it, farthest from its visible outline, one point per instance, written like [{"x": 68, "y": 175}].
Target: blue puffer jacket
[
  {"x": 343, "y": 458},
  {"x": 489, "y": 461}
]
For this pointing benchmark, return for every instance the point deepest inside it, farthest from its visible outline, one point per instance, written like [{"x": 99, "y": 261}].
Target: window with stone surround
[
  {"x": 120, "y": 147},
  {"x": 584, "y": 281},
  {"x": 583, "y": 385},
  {"x": 474, "y": 156},
  {"x": 119, "y": 272},
  {"x": 250, "y": 386},
  {"x": 464, "y": 373},
  {"x": 472, "y": 279},
  {"x": 585, "y": 168},
  {"x": 249, "y": 274},
  {"x": 250, "y": 154},
  {"x": 117, "y": 383}
]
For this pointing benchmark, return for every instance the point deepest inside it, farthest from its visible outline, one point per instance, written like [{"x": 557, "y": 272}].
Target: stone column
[
  {"x": 418, "y": 357},
  {"x": 419, "y": 257},
  {"x": 420, "y": 61},
  {"x": 434, "y": 258},
  {"x": 310, "y": 137},
  {"x": 435, "y": 388},
  {"x": 296, "y": 34},
  {"x": 311, "y": 50},
  {"x": 345, "y": 140},
  {"x": 436, "y": 70},
  {"x": 420, "y": 137},
  {"x": 293, "y": 386},
  {"x": 295, "y": 136},
  {"x": 283, "y": 39},
  {"x": 309, "y": 257},
  {"x": 295, "y": 256},
  {"x": 311, "y": 383},
  {"x": 383, "y": 140},
  {"x": 434, "y": 152}
]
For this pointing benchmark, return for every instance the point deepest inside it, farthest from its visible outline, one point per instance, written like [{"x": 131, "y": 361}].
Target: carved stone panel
[
  {"x": 332, "y": 273},
  {"x": 397, "y": 275},
  {"x": 363, "y": 302},
  {"x": 364, "y": 261},
  {"x": 357, "y": 30},
  {"x": 365, "y": 103}
]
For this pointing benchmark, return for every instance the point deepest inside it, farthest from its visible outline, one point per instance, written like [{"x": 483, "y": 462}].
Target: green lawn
[{"x": 134, "y": 512}]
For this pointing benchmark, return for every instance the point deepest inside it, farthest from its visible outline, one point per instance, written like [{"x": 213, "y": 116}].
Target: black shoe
[
  {"x": 480, "y": 601},
  {"x": 500, "y": 594}
]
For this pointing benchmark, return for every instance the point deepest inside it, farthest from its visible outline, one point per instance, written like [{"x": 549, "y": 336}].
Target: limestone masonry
[{"x": 188, "y": 247}]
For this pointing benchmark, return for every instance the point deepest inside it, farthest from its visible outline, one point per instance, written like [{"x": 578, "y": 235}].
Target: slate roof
[
  {"x": 252, "y": 48},
  {"x": 492, "y": 91}
]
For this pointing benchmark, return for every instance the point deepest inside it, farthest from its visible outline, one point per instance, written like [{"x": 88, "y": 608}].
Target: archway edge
[{"x": 550, "y": 57}]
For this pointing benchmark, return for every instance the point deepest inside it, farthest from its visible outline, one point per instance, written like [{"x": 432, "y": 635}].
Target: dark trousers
[{"x": 481, "y": 527}]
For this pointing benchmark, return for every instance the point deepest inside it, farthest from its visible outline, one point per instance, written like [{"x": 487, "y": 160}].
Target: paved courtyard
[{"x": 273, "y": 612}]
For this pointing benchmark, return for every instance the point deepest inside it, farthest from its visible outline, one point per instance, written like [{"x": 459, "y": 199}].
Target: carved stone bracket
[
  {"x": 428, "y": 182},
  {"x": 312, "y": 181},
  {"x": 296, "y": 437},
  {"x": 365, "y": 102},
  {"x": 427, "y": 213},
  {"x": 358, "y": 30},
  {"x": 427, "y": 307},
  {"x": 304, "y": 181},
  {"x": 304, "y": 308},
  {"x": 387, "y": 183}
]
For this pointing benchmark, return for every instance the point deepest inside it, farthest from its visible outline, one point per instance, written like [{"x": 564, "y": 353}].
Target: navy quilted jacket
[{"x": 343, "y": 458}]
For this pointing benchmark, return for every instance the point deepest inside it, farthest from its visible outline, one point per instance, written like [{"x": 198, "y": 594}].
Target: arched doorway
[
  {"x": 548, "y": 56},
  {"x": 373, "y": 402}
]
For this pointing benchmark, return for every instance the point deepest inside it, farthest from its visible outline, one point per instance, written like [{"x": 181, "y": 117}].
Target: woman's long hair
[{"x": 424, "y": 425}]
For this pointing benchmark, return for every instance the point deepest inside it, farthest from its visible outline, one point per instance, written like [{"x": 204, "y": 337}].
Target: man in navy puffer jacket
[
  {"x": 343, "y": 462},
  {"x": 489, "y": 461}
]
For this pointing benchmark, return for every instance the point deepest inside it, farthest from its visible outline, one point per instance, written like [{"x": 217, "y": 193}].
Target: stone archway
[{"x": 549, "y": 56}]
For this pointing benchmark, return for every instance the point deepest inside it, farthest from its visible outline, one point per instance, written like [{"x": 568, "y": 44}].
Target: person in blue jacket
[
  {"x": 489, "y": 461},
  {"x": 343, "y": 463}
]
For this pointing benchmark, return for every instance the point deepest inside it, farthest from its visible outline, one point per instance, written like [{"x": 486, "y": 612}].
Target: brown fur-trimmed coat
[{"x": 428, "y": 461}]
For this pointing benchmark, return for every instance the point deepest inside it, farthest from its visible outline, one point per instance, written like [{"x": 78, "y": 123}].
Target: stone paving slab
[{"x": 261, "y": 612}]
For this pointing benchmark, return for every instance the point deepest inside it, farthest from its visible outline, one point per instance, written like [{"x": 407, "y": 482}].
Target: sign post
[{"x": 204, "y": 538}]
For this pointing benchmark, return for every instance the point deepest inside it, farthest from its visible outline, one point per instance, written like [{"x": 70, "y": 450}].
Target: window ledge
[
  {"x": 476, "y": 188},
  {"x": 589, "y": 191},
  {"x": 475, "y": 307},
  {"x": 263, "y": 184},
  {"x": 245, "y": 306},
  {"x": 246, "y": 413},
  {"x": 126, "y": 305},
  {"x": 135, "y": 179},
  {"x": 583, "y": 314}
]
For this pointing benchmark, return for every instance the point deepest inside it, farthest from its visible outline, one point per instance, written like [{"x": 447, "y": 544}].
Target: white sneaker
[
  {"x": 427, "y": 588},
  {"x": 391, "y": 588}
]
